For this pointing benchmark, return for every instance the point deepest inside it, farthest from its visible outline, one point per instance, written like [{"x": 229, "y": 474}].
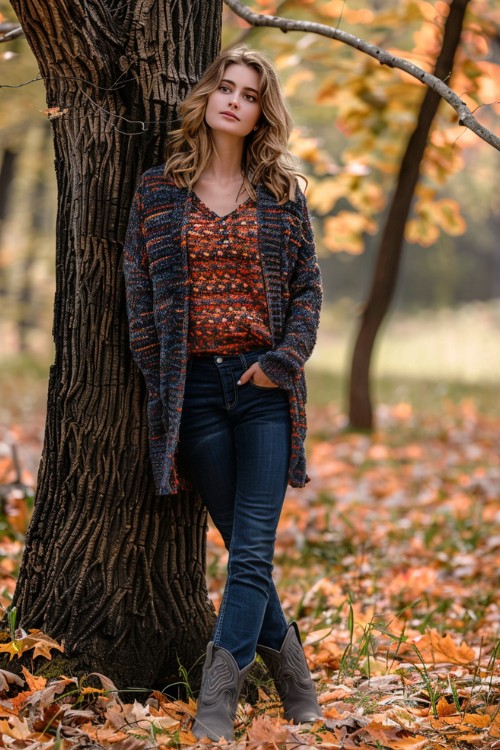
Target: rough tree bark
[
  {"x": 113, "y": 570},
  {"x": 392, "y": 239}
]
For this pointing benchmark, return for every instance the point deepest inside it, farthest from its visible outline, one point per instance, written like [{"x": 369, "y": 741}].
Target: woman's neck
[{"x": 225, "y": 165}]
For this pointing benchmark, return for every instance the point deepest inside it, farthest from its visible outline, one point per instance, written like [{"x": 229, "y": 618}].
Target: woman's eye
[
  {"x": 224, "y": 89},
  {"x": 250, "y": 98}
]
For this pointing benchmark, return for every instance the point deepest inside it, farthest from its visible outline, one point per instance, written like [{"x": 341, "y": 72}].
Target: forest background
[
  {"x": 352, "y": 119},
  {"x": 436, "y": 365}
]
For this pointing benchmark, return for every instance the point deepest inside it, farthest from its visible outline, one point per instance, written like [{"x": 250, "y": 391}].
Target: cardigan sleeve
[
  {"x": 143, "y": 335},
  {"x": 285, "y": 362}
]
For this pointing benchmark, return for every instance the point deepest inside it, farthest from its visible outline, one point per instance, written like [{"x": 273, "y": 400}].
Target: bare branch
[
  {"x": 10, "y": 31},
  {"x": 466, "y": 118}
]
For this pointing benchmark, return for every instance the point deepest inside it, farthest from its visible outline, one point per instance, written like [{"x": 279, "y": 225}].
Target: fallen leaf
[
  {"x": 34, "y": 683},
  {"x": 8, "y": 678},
  {"x": 34, "y": 639}
]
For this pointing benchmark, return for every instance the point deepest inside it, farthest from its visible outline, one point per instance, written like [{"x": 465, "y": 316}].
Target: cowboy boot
[
  {"x": 292, "y": 678},
  {"x": 221, "y": 685}
]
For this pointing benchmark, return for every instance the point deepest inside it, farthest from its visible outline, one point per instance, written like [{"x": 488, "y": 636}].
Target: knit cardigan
[{"x": 157, "y": 287}]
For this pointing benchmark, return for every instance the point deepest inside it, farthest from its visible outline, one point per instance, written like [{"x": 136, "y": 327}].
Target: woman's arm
[{"x": 286, "y": 361}]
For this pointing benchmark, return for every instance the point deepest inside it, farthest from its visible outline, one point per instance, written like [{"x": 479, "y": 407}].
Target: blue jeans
[{"x": 235, "y": 446}]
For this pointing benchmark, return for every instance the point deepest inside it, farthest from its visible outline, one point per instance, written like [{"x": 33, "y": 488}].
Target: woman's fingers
[
  {"x": 248, "y": 374},
  {"x": 256, "y": 374}
]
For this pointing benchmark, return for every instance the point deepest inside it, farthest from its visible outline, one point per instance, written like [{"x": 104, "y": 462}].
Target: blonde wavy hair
[{"x": 266, "y": 158}]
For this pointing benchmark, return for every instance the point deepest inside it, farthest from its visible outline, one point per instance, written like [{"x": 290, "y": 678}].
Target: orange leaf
[
  {"x": 34, "y": 639},
  {"x": 443, "y": 649},
  {"x": 265, "y": 729},
  {"x": 477, "y": 720},
  {"x": 408, "y": 743},
  {"x": 444, "y": 708},
  {"x": 34, "y": 683}
]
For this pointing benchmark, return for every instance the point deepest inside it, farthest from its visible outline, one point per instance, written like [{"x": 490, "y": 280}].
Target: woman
[{"x": 223, "y": 292}]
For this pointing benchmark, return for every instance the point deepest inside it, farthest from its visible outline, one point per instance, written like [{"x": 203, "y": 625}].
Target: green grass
[
  {"x": 325, "y": 386},
  {"x": 424, "y": 359}
]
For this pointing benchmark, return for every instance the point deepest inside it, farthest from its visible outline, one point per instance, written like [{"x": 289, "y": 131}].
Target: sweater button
[{"x": 219, "y": 360}]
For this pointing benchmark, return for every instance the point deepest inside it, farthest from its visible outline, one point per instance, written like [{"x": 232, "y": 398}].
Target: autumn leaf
[
  {"x": 481, "y": 721},
  {"x": 15, "y": 727},
  {"x": 264, "y": 730},
  {"x": 33, "y": 682},
  {"x": 443, "y": 649},
  {"x": 34, "y": 639},
  {"x": 443, "y": 708},
  {"x": 344, "y": 232},
  {"x": 53, "y": 113},
  {"x": 7, "y": 679}
]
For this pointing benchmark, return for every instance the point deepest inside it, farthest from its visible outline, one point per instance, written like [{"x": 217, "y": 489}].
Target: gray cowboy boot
[
  {"x": 292, "y": 678},
  {"x": 218, "y": 699}
]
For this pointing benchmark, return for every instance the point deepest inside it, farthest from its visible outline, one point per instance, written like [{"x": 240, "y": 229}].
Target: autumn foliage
[
  {"x": 389, "y": 561},
  {"x": 373, "y": 110}
]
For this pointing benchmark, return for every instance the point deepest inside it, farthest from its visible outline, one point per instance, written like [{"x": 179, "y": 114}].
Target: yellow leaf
[
  {"x": 344, "y": 232},
  {"x": 325, "y": 194},
  {"x": 35, "y": 639},
  {"x": 421, "y": 231},
  {"x": 449, "y": 217}
]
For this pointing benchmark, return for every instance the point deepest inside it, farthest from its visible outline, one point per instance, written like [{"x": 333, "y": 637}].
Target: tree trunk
[
  {"x": 35, "y": 197},
  {"x": 115, "y": 571},
  {"x": 391, "y": 242},
  {"x": 7, "y": 172}
]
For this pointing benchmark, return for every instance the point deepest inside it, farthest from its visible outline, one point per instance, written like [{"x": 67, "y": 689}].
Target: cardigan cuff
[{"x": 278, "y": 368}]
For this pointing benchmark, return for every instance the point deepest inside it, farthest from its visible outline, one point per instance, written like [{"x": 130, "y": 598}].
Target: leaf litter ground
[{"x": 389, "y": 560}]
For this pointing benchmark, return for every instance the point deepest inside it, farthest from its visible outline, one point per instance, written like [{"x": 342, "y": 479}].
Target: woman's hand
[{"x": 257, "y": 376}]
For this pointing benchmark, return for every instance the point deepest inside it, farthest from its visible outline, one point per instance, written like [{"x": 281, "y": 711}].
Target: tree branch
[
  {"x": 466, "y": 118},
  {"x": 10, "y": 31}
]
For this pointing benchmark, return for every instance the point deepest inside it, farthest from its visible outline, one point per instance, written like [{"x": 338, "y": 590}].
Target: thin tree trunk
[
  {"x": 35, "y": 194},
  {"x": 115, "y": 571},
  {"x": 391, "y": 243},
  {"x": 7, "y": 172}
]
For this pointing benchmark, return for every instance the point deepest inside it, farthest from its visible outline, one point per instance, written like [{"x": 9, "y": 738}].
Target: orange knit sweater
[{"x": 227, "y": 299}]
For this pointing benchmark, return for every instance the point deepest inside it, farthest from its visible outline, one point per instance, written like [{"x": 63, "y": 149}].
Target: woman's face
[{"x": 234, "y": 107}]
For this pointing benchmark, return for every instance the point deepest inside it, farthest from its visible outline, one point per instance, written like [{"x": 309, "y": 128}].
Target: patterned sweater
[
  {"x": 157, "y": 285},
  {"x": 227, "y": 299}
]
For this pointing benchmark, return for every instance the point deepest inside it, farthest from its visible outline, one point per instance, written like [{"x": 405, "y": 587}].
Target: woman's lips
[{"x": 231, "y": 115}]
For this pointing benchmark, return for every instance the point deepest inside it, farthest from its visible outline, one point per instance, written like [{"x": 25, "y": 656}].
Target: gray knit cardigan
[{"x": 157, "y": 285}]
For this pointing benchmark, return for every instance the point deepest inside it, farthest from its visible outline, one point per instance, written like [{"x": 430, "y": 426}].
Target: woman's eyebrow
[{"x": 247, "y": 88}]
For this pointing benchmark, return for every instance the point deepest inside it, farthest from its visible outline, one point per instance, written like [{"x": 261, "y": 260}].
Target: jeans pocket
[{"x": 264, "y": 387}]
